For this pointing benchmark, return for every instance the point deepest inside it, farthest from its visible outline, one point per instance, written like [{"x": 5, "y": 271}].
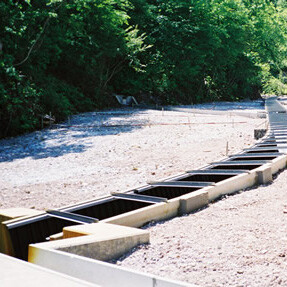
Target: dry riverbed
[
  {"x": 96, "y": 153},
  {"x": 237, "y": 241}
]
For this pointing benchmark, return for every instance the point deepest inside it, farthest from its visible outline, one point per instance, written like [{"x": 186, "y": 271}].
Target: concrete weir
[
  {"x": 99, "y": 241},
  {"x": 20, "y": 273},
  {"x": 79, "y": 246},
  {"x": 96, "y": 272}
]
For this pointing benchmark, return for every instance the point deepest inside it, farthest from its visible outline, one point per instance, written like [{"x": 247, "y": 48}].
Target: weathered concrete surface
[
  {"x": 12, "y": 213},
  {"x": 102, "y": 241},
  {"x": 6, "y": 215},
  {"x": 278, "y": 163},
  {"x": 264, "y": 174},
  {"x": 193, "y": 201},
  {"x": 155, "y": 212},
  {"x": 231, "y": 185},
  {"x": 97, "y": 272},
  {"x": 14, "y": 272}
]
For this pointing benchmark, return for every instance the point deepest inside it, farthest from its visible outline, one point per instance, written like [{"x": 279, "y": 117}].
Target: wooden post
[{"x": 226, "y": 148}]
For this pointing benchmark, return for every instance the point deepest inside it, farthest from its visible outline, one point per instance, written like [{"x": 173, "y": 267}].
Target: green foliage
[
  {"x": 66, "y": 56},
  {"x": 71, "y": 51},
  {"x": 19, "y": 103}
]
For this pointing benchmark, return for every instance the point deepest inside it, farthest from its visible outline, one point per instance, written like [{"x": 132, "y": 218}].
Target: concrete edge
[
  {"x": 17, "y": 213},
  {"x": 264, "y": 174},
  {"x": 278, "y": 163},
  {"x": 108, "y": 242},
  {"x": 6, "y": 245},
  {"x": 8, "y": 215},
  {"x": 193, "y": 201},
  {"x": 16, "y": 272},
  {"x": 139, "y": 217},
  {"x": 260, "y": 175},
  {"x": 232, "y": 184},
  {"x": 95, "y": 271}
]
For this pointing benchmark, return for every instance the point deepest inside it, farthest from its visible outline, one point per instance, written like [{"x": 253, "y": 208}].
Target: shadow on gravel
[
  {"x": 226, "y": 106},
  {"x": 78, "y": 134},
  {"x": 74, "y": 136}
]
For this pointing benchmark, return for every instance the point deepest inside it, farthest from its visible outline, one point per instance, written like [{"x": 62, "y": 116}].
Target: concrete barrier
[
  {"x": 278, "y": 163},
  {"x": 139, "y": 217},
  {"x": 231, "y": 185},
  {"x": 8, "y": 215},
  {"x": 264, "y": 174},
  {"x": 12, "y": 213},
  {"x": 95, "y": 271},
  {"x": 16, "y": 272},
  {"x": 259, "y": 175},
  {"x": 193, "y": 201},
  {"x": 6, "y": 245},
  {"x": 105, "y": 242}
]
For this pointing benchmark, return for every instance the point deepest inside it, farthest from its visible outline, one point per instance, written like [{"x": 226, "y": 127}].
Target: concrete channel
[{"x": 84, "y": 235}]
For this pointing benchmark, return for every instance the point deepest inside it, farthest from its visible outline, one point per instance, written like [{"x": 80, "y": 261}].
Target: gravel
[
  {"x": 96, "y": 153},
  {"x": 237, "y": 241},
  {"x": 240, "y": 240}
]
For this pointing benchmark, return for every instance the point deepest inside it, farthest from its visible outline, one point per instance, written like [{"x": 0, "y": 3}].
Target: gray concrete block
[
  {"x": 101, "y": 241},
  {"x": 278, "y": 163},
  {"x": 139, "y": 217},
  {"x": 231, "y": 185},
  {"x": 193, "y": 201},
  {"x": 16, "y": 272},
  {"x": 8, "y": 215},
  {"x": 264, "y": 174},
  {"x": 95, "y": 271}
]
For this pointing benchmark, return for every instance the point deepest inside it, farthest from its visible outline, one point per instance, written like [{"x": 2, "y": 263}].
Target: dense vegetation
[{"x": 68, "y": 56}]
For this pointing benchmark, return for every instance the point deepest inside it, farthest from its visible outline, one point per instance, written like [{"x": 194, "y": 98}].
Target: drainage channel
[{"x": 21, "y": 233}]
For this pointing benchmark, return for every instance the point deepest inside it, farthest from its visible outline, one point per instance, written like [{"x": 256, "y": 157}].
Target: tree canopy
[{"x": 69, "y": 56}]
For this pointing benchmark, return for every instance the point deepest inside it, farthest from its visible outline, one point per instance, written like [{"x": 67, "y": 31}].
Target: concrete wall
[
  {"x": 231, "y": 185},
  {"x": 106, "y": 242},
  {"x": 193, "y": 201},
  {"x": 16, "y": 272},
  {"x": 8, "y": 215},
  {"x": 94, "y": 271},
  {"x": 278, "y": 163},
  {"x": 155, "y": 212}
]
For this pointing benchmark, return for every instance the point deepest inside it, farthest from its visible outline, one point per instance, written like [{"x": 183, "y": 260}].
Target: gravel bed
[
  {"x": 237, "y": 241},
  {"x": 96, "y": 153},
  {"x": 240, "y": 240}
]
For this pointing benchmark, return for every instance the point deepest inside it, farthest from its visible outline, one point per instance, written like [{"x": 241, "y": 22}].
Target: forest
[{"x": 62, "y": 57}]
